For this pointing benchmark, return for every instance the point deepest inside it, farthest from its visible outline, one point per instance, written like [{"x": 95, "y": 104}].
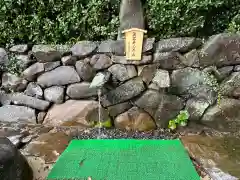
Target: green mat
[{"x": 124, "y": 160}]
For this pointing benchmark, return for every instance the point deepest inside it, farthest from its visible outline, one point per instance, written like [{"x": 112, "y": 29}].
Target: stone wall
[{"x": 200, "y": 76}]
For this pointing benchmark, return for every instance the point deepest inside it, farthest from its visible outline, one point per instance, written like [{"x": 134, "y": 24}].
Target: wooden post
[{"x": 134, "y": 43}]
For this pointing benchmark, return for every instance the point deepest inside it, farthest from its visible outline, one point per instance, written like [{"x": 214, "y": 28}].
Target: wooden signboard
[{"x": 134, "y": 43}]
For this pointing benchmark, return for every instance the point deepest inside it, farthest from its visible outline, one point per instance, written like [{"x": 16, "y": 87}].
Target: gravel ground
[{"x": 119, "y": 134}]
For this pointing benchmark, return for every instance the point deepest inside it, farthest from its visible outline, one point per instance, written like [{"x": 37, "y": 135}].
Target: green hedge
[{"x": 61, "y": 21}]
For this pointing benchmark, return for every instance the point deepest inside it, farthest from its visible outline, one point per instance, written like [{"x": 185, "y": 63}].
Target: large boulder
[
  {"x": 83, "y": 48},
  {"x": 182, "y": 44},
  {"x": 85, "y": 71},
  {"x": 221, "y": 50},
  {"x": 50, "y": 56},
  {"x": 5, "y": 99},
  {"x": 48, "y": 146},
  {"x": 48, "y": 66},
  {"x": 22, "y": 99},
  {"x": 135, "y": 119},
  {"x": 34, "y": 90},
  {"x": 224, "y": 116},
  {"x": 46, "y": 48},
  {"x": 225, "y": 71},
  {"x": 196, "y": 108},
  {"x": 20, "y": 48},
  {"x": 168, "y": 60},
  {"x": 147, "y": 72},
  {"x": 33, "y": 71},
  {"x": 111, "y": 46},
  {"x": 161, "y": 79},
  {"x": 12, "y": 113},
  {"x": 62, "y": 75},
  {"x": 54, "y": 94},
  {"x": 124, "y": 92},
  {"x": 123, "y": 72},
  {"x": 230, "y": 84},
  {"x": 100, "y": 61},
  {"x": 75, "y": 113},
  {"x": 190, "y": 82},
  {"x": 146, "y": 59},
  {"x": 100, "y": 80},
  {"x": 81, "y": 90},
  {"x": 161, "y": 107},
  {"x": 215, "y": 152},
  {"x": 49, "y": 53},
  {"x": 119, "y": 108},
  {"x": 13, "y": 164}
]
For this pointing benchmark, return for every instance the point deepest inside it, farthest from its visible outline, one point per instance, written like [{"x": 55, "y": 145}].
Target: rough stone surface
[
  {"x": 123, "y": 73},
  {"x": 63, "y": 49},
  {"x": 215, "y": 152},
  {"x": 147, "y": 72},
  {"x": 177, "y": 44},
  {"x": 113, "y": 47},
  {"x": 83, "y": 48},
  {"x": 100, "y": 80},
  {"x": 31, "y": 72},
  {"x": 221, "y": 49},
  {"x": 161, "y": 107},
  {"x": 75, "y": 113},
  {"x": 225, "y": 71},
  {"x": 81, "y": 90},
  {"x": 50, "y": 56},
  {"x": 119, "y": 108},
  {"x": 224, "y": 116},
  {"x": 237, "y": 68},
  {"x": 135, "y": 119},
  {"x": 191, "y": 59},
  {"x": 21, "y": 48},
  {"x": 230, "y": 84},
  {"x": 148, "y": 45},
  {"x": 53, "y": 143},
  {"x": 236, "y": 93},
  {"x": 48, "y": 66},
  {"x": 54, "y": 94},
  {"x": 12, "y": 81},
  {"x": 196, "y": 108},
  {"x": 13, "y": 164},
  {"x": 34, "y": 90},
  {"x": 22, "y": 99},
  {"x": 146, "y": 59},
  {"x": 40, "y": 117},
  {"x": 191, "y": 82},
  {"x": 12, "y": 113},
  {"x": 101, "y": 61},
  {"x": 5, "y": 99},
  {"x": 124, "y": 92},
  {"x": 161, "y": 78},
  {"x": 69, "y": 60},
  {"x": 167, "y": 60},
  {"x": 3, "y": 57},
  {"x": 85, "y": 71},
  {"x": 60, "y": 76}
]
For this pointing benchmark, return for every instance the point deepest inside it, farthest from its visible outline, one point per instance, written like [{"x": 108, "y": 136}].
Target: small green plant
[{"x": 180, "y": 120}]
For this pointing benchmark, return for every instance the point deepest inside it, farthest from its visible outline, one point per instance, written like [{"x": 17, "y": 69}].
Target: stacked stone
[{"x": 174, "y": 74}]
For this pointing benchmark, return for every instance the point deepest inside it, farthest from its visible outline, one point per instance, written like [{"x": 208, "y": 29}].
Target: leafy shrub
[
  {"x": 190, "y": 17},
  {"x": 61, "y": 21}
]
